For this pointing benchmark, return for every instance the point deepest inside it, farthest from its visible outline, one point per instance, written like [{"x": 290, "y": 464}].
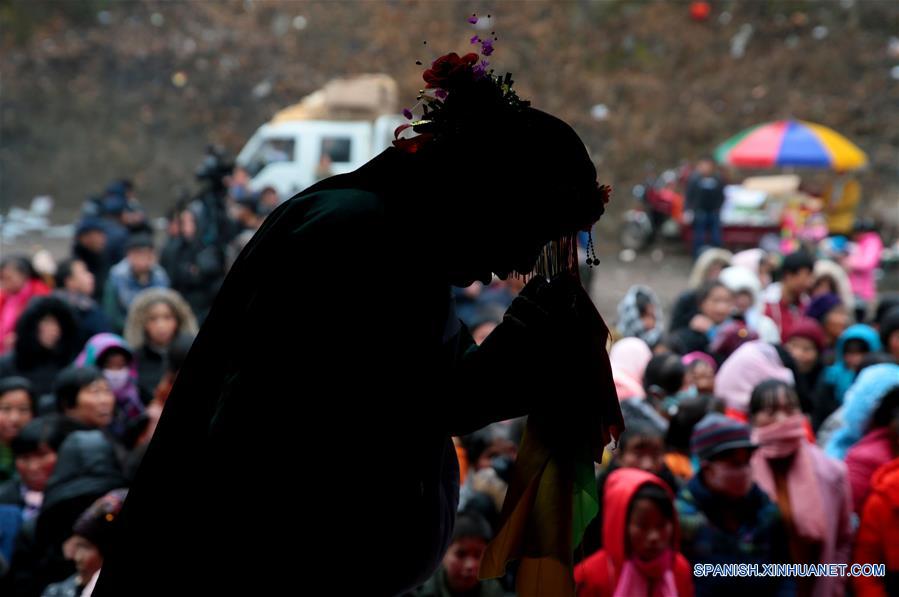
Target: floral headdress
[
  {"x": 463, "y": 91},
  {"x": 465, "y": 78}
]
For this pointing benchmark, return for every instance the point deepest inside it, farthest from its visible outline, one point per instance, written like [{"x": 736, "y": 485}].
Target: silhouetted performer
[{"x": 306, "y": 441}]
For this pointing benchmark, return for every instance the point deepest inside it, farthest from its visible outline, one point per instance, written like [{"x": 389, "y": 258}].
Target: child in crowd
[
  {"x": 640, "y": 542},
  {"x": 458, "y": 575}
]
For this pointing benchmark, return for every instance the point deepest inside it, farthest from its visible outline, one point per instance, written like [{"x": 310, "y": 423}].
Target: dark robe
[{"x": 308, "y": 432}]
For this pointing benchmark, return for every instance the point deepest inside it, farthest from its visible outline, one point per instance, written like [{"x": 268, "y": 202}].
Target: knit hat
[
  {"x": 822, "y": 305},
  {"x": 89, "y": 224},
  {"x": 139, "y": 241},
  {"x": 716, "y": 433},
  {"x": 95, "y": 524},
  {"x": 730, "y": 337},
  {"x": 809, "y": 329}
]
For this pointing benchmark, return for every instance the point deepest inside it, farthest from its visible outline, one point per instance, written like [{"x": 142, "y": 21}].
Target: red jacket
[
  {"x": 863, "y": 459},
  {"x": 597, "y": 576},
  {"x": 785, "y": 316},
  {"x": 877, "y": 541},
  {"x": 13, "y": 305}
]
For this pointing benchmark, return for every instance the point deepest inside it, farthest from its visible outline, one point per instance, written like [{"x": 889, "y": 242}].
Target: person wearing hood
[
  {"x": 86, "y": 469},
  {"x": 805, "y": 344},
  {"x": 641, "y": 446},
  {"x": 640, "y": 554},
  {"x": 706, "y": 269},
  {"x": 75, "y": 285},
  {"x": 136, "y": 272},
  {"x": 889, "y": 332},
  {"x": 19, "y": 283},
  {"x": 111, "y": 354},
  {"x": 629, "y": 357},
  {"x": 748, "y": 305},
  {"x": 725, "y": 517},
  {"x": 640, "y": 315},
  {"x": 321, "y": 273},
  {"x": 863, "y": 433},
  {"x": 756, "y": 261},
  {"x": 716, "y": 303},
  {"x": 158, "y": 318},
  {"x": 852, "y": 346},
  {"x": 877, "y": 541},
  {"x": 89, "y": 543},
  {"x": 46, "y": 342},
  {"x": 750, "y": 365},
  {"x": 810, "y": 488}
]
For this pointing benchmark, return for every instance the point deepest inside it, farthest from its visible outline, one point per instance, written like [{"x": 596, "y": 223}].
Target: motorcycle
[{"x": 657, "y": 211}]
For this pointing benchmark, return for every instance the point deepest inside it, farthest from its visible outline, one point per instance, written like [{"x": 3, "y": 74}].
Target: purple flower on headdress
[
  {"x": 473, "y": 19},
  {"x": 486, "y": 47},
  {"x": 480, "y": 69},
  {"x": 475, "y": 39},
  {"x": 407, "y": 113},
  {"x": 441, "y": 94}
]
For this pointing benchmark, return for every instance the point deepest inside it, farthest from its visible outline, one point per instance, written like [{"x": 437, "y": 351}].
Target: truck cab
[{"x": 332, "y": 131}]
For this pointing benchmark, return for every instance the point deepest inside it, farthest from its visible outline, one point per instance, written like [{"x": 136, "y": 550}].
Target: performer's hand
[
  {"x": 558, "y": 305},
  {"x": 553, "y": 337},
  {"x": 526, "y": 308}
]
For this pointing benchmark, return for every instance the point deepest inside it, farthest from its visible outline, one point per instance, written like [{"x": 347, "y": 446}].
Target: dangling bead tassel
[{"x": 592, "y": 259}]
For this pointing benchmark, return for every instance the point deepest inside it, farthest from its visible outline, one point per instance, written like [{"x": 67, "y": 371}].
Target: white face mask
[{"x": 117, "y": 378}]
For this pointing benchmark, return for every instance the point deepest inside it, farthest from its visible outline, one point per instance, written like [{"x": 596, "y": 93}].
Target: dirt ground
[{"x": 665, "y": 270}]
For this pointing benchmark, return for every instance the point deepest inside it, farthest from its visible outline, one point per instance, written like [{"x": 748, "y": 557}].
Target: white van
[{"x": 332, "y": 131}]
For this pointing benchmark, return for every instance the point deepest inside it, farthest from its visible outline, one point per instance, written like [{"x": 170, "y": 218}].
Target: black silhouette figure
[{"x": 307, "y": 437}]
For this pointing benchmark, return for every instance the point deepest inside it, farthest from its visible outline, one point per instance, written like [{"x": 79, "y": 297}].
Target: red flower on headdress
[
  {"x": 412, "y": 144},
  {"x": 409, "y": 144},
  {"x": 449, "y": 70}
]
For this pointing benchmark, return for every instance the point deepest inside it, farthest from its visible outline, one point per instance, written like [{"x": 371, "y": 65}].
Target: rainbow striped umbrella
[{"x": 791, "y": 143}]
